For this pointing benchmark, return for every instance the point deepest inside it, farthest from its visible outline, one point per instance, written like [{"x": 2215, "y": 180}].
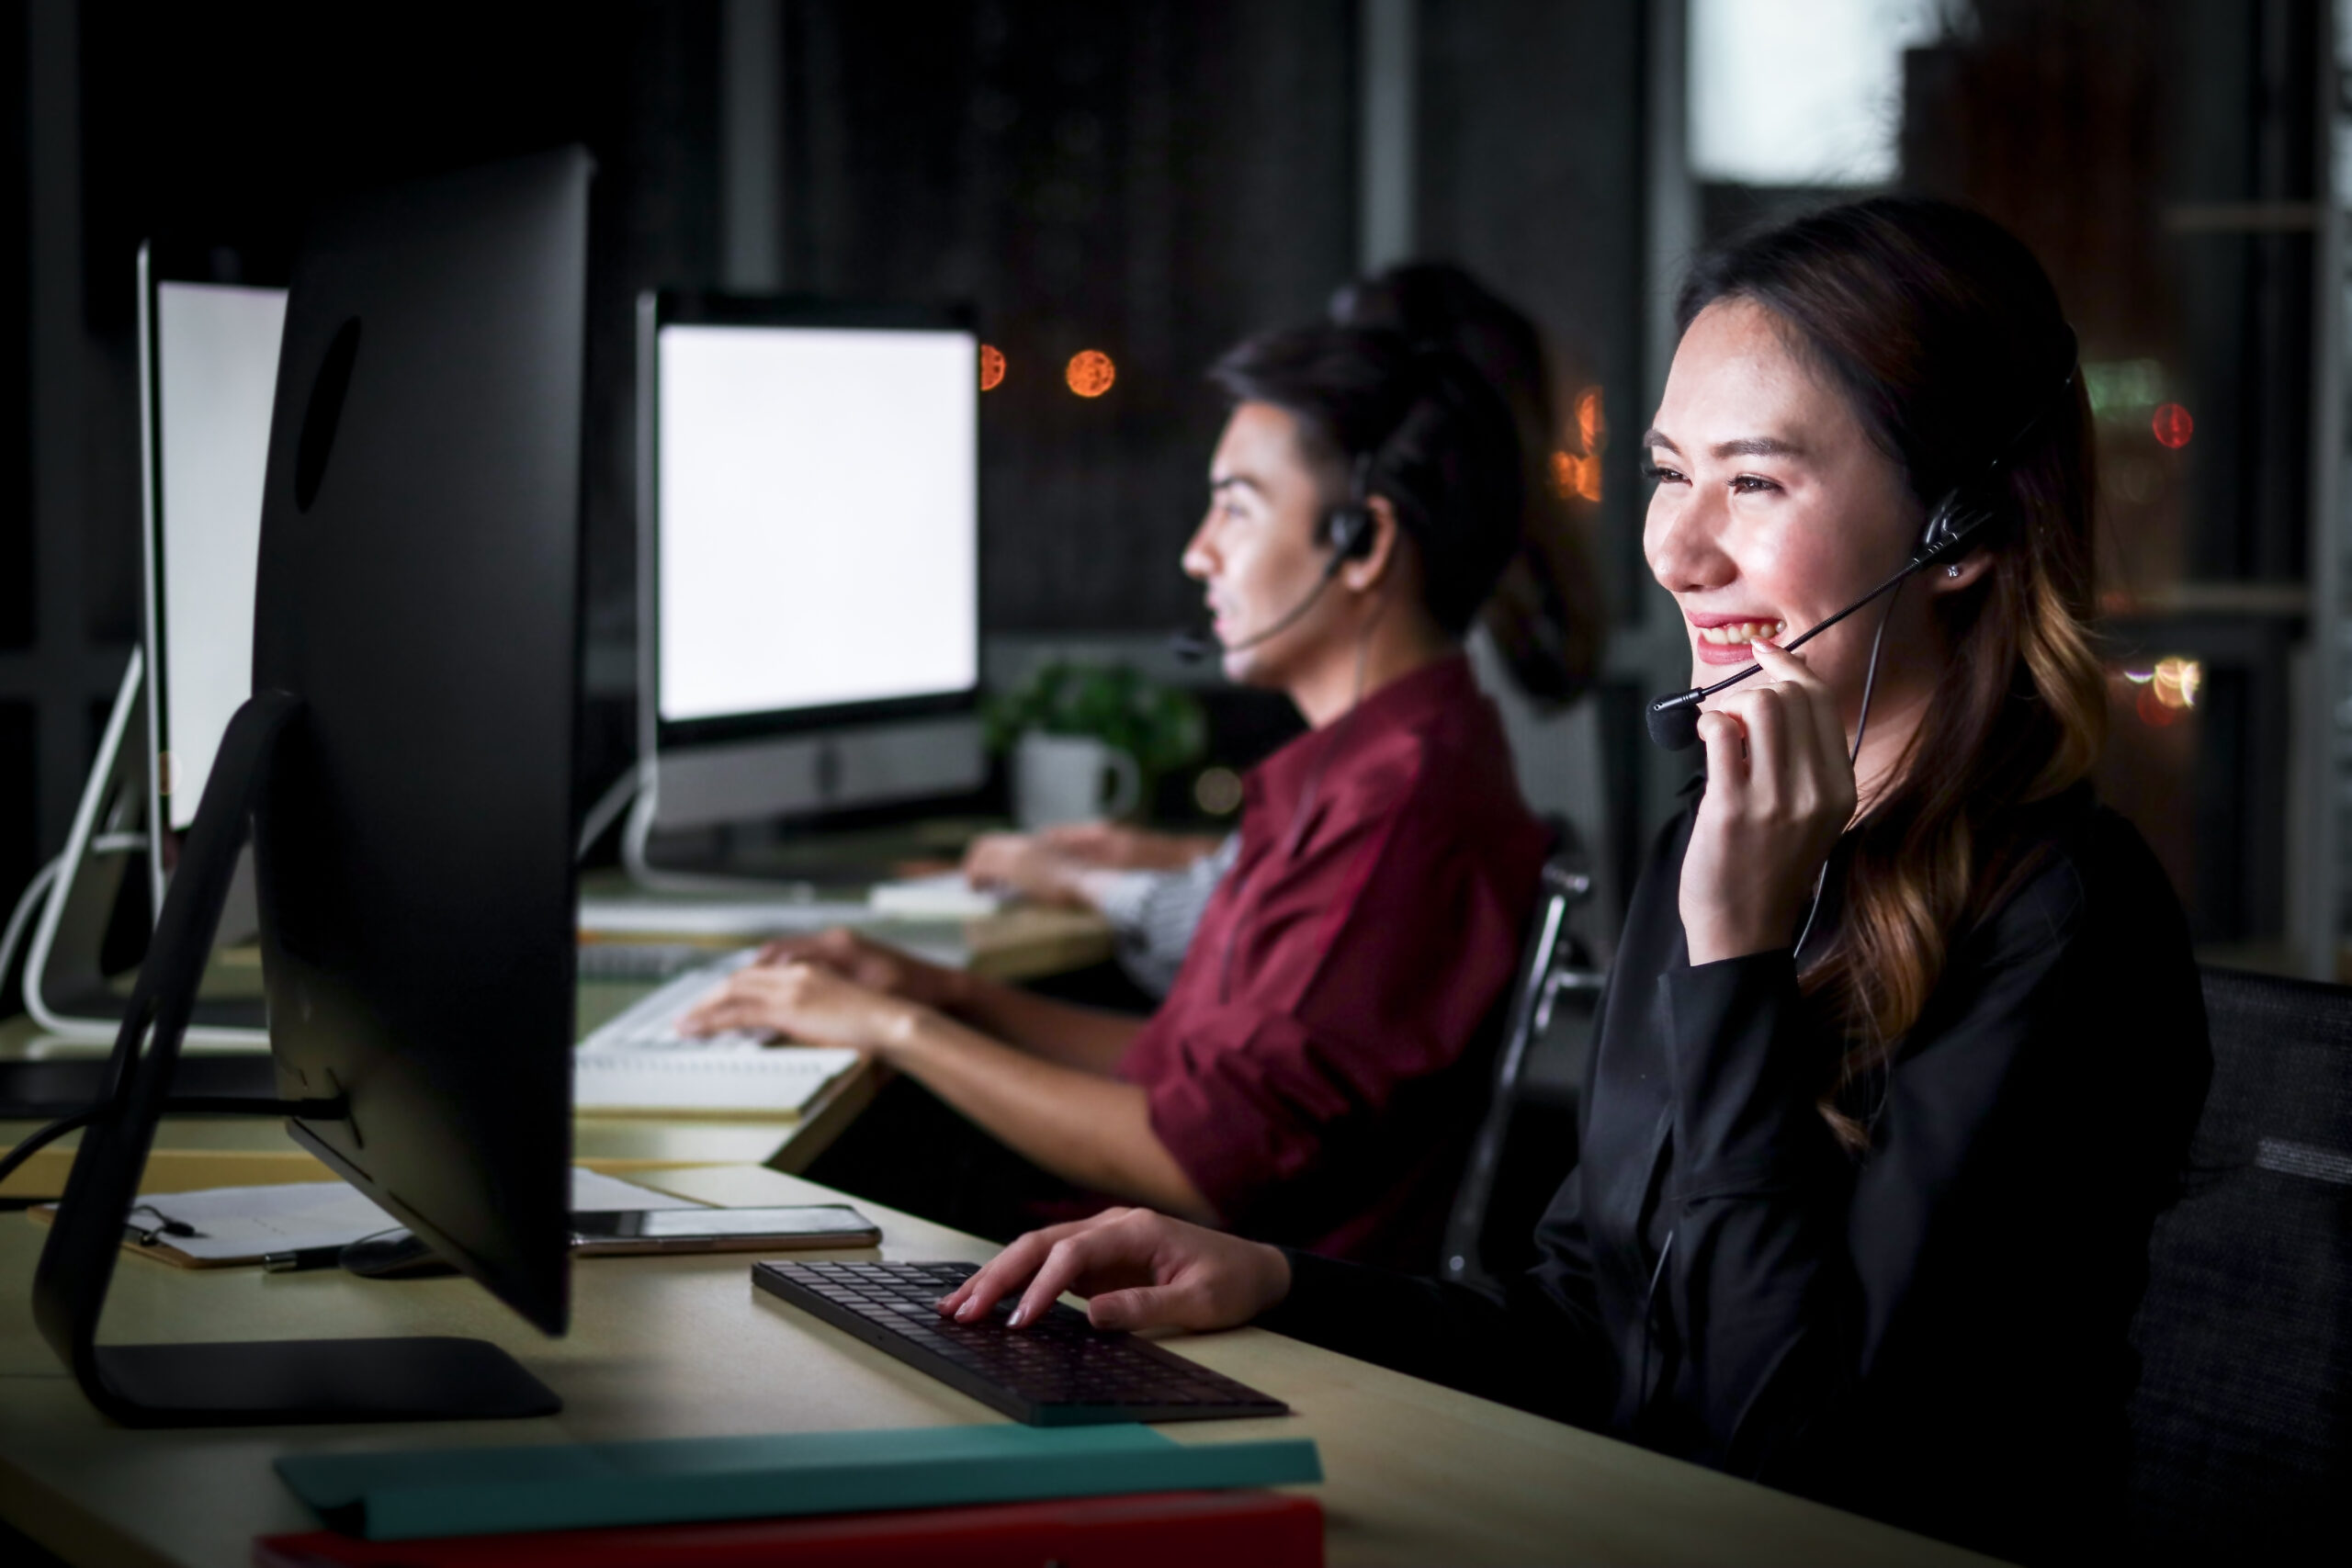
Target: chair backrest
[
  {"x": 1555, "y": 963},
  {"x": 2241, "y": 1422}
]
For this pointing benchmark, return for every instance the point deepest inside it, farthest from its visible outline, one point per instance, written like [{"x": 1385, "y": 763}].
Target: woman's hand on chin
[
  {"x": 1779, "y": 791},
  {"x": 1140, "y": 1269}
]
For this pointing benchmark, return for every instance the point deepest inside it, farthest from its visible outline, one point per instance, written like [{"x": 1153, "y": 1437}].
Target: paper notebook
[
  {"x": 489, "y": 1490},
  {"x": 740, "y": 919},
  {"x": 758, "y": 1084},
  {"x": 944, "y": 897}
]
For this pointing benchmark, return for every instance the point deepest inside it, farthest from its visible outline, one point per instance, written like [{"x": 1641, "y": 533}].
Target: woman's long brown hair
[{"x": 1949, "y": 341}]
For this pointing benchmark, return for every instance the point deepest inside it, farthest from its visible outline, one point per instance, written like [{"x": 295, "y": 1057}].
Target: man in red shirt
[{"x": 1315, "y": 1073}]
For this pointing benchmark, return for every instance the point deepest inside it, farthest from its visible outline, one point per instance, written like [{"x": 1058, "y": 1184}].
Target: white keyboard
[
  {"x": 650, "y": 1023},
  {"x": 728, "y": 1084},
  {"x": 639, "y": 1065}
]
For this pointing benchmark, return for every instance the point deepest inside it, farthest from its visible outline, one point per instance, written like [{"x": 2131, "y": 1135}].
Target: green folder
[{"x": 414, "y": 1493}]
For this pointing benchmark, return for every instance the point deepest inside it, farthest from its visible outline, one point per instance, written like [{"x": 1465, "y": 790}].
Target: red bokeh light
[
  {"x": 991, "y": 367},
  {"x": 2173, "y": 426}
]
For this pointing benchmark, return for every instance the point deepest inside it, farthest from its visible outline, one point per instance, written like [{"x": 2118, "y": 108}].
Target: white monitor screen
[
  {"x": 818, "y": 502},
  {"x": 216, "y": 369}
]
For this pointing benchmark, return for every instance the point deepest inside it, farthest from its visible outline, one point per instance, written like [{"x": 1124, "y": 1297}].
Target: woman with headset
[
  {"x": 1903, "y": 1042},
  {"x": 1313, "y": 1077}
]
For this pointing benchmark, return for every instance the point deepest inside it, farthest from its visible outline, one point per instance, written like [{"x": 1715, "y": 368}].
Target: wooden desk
[
  {"x": 1027, "y": 941},
  {"x": 1022, "y": 943},
  {"x": 685, "y": 1347}
]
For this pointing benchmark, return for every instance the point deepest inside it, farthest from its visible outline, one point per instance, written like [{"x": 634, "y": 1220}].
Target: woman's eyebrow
[
  {"x": 1745, "y": 447},
  {"x": 1759, "y": 446}
]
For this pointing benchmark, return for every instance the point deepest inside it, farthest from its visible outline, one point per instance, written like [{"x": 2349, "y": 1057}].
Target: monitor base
[
  {"x": 291, "y": 1381},
  {"x": 247, "y": 1384}
]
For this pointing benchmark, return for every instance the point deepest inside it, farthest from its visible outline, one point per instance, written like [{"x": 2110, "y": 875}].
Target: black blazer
[{"x": 1934, "y": 1332}]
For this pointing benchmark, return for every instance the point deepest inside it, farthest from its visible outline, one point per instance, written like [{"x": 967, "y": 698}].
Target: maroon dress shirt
[{"x": 1320, "y": 1065}]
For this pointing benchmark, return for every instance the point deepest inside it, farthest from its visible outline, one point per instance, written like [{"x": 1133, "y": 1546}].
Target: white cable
[
  {"x": 25, "y": 904},
  {"x": 31, "y": 902},
  {"x": 609, "y": 805}
]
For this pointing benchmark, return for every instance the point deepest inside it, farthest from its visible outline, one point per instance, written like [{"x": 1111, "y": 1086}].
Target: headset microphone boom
[{"x": 1674, "y": 718}]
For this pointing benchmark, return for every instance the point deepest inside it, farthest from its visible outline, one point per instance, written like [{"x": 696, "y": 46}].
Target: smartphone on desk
[{"x": 603, "y": 1231}]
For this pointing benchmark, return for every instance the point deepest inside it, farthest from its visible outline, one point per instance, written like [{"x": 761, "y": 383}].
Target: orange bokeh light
[
  {"x": 2173, "y": 426},
  {"x": 1575, "y": 474},
  {"x": 1091, "y": 373},
  {"x": 991, "y": 367},
  {"x": 1575, "y": 478}
]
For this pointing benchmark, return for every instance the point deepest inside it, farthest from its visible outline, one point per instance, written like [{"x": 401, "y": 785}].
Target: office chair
[
  {"x": 2241, "y": 1422},
  {"x": 1527, "y": 1142}
]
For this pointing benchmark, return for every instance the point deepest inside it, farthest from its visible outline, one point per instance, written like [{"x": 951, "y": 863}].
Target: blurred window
[{"x": 1800, "y": 91}]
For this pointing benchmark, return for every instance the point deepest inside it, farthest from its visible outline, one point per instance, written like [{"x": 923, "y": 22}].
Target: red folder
[{"x": 1174, "y": 1529}]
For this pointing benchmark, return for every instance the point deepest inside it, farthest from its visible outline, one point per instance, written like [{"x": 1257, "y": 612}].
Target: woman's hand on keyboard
[
  {"x": 808, "y": 1004},
  {"x": 1140, "y": 1269},
  {"x": 870, "y": 965}
]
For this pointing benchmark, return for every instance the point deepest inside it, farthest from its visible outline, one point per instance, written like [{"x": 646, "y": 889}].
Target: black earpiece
[{"x": 1347, "y": 529}]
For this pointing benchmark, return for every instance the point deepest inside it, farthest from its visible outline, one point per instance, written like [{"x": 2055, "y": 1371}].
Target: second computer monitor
[
  {"x": 209, "y": 368},
  {"x": 811, "y": 556}
]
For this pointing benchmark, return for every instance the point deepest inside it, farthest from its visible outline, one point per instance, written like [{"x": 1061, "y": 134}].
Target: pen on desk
[
  {"x": 301, "y": 1259},
  {"x": 147, "y": 1236}
]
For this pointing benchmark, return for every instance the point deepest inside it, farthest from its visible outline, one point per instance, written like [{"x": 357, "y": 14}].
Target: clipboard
[{"x": 228, "y": 1227}]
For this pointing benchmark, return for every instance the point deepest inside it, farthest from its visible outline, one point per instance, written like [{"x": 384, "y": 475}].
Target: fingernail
[
  {"x": 964, "y": 1313},
  {"x": 1020, "y": 1315}
]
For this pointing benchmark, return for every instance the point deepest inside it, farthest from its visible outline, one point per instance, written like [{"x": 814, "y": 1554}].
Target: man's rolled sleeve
[{"x": 1248, "y": 1105}]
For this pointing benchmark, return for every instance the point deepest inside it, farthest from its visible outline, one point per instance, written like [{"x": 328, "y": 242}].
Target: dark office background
[{"x": 1152, "y": 180}]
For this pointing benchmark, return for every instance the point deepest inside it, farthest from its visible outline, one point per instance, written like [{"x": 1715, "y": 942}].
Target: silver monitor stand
[
  {"x": 66, "y": 991},
  {"x": 715, "y": 785}
]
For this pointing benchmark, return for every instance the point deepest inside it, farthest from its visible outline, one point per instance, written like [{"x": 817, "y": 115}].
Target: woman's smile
[{"x": 1725, "y": 639}]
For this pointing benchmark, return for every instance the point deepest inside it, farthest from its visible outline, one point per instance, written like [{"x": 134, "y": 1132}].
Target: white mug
[{"x": 1072, "y": 778}]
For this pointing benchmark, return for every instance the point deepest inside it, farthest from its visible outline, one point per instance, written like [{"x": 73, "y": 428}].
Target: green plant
[{"x": 1161, "y": 727}]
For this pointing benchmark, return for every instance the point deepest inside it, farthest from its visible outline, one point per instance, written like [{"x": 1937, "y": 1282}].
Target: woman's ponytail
[{"x": 1546, "y": 616}]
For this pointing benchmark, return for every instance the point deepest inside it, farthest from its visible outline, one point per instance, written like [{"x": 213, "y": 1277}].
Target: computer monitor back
[{"x": 417, "y": 591}]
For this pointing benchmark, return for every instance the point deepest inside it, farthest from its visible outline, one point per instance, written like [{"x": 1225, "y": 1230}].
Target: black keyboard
[{"x": 1059, "y": 1372}]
